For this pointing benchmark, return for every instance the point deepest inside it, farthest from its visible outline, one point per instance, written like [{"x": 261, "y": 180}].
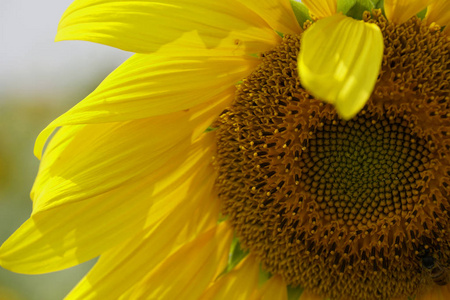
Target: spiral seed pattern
[{"x": 343, "y": 208}]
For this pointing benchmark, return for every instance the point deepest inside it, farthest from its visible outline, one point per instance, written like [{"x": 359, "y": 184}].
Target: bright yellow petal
[
  {"x": 176, "y": 27},
  {"x": 273, "y": 289},
  {"x": 399, "y": 11},
  {"x": 238, "y": 284},
  {"x": 439, "y": 12},
  {"x": 194, "y": 213},
  {"x": 321, "y": 8},
  {"x": 149, "y": 85},
  {"x": 187, "y": 273},
  {"x": 277, "y": 13},
  {"x": 83, "y": 161},
  {"x": 76, "y": 231},
  {"x": 339, "y": 62}
]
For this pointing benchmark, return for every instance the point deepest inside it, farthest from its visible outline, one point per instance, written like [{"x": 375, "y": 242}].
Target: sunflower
[{"x": 251, "y": 148}]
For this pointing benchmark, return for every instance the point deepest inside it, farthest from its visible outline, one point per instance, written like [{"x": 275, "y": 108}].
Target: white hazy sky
[{"x": 31, "y": 63}]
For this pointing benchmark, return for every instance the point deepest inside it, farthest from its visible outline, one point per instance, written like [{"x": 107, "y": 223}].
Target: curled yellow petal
[
  {"x": 72, "y": 232},
  {"x": 149, "y": 85},
  {"x": 339, "y": 62},
  {"x": 439, "y": 12},
  {"x": 85, "y": 161},
  {"x": 321, "y": 8},
  {"x": 170, "y": 26},
  {"x": 399, "y": 11}
]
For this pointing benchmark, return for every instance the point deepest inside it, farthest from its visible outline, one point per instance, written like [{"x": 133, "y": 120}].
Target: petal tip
[{"x": 339, "y": 62}]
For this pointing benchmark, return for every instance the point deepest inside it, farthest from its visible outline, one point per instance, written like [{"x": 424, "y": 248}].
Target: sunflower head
[
  {"x": 326, "y": 170},
  {"x": 346, "y": 208}
]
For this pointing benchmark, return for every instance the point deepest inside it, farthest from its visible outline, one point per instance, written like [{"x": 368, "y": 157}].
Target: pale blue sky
[{"x": 32, "y": 63}]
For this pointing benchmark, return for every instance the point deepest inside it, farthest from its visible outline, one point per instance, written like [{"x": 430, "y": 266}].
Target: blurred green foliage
[{"x": 20, "y": 123}]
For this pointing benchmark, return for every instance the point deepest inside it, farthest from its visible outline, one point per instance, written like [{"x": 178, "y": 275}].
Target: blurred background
[{"x": 39, "y": 80}]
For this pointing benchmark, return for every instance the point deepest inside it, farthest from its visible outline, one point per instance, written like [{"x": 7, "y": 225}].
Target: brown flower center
[{"x": 345, "y": 209}]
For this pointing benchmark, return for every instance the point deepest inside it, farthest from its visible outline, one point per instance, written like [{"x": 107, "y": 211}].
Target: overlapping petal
[
  {"x": 84, "y": 161},
  {"x": 321, "y": 8},
  {"x": 172, "y": 27},
  {"x": 399, "y": 11},
  {"x": 277, "y": 13},
  {"x": 76, "y": 199},
  {"x": 149, "y": 85},
  {"x": 339, "y": 62},
  {"x": 439, "y": 12},
  {"x": 187, "y": 273},
  {"x": 273, "y": 289},
  {"x": 238, "y": 284},
  {"x": 141, "y": 255}
]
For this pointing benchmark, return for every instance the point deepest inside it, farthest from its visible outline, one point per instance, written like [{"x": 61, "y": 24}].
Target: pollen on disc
[{"x": 343, "y": 208}]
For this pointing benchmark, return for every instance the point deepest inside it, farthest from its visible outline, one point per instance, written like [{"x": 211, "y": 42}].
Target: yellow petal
[
  {"x": 273, "y": 289},
  {"x": 119, "y": 269},
  {"x": 238, "y": 284},
  {"x": 439, "y": 12},
  {"x": 321, "y": 8},
  {"x": 339, "y": 62},
  {"x": 399, "y": 11},
  {"x": 176, "y": 27},
  {"x": 76, "y": 231},
  {"x": 149, "y": 85},
  {"x": 187, "y": 273},
  {"x": 277, "y": 13},
  {"x": 83, "y": 161}
]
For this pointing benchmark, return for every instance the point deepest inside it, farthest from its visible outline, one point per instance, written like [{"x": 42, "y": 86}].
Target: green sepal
[
  {"x": 421, "y": 15},
  {"x": 236, "y": 254},
  {"x": 301, "y": 12},
  {"x": 294, "y": 292},
  {"x": 379, "y": 4},
  {"x": 344, "y": 6},
  {"x": 355, "y": 8},
  {"x": 263, "y": 276},
  {"x": 222, "y": 218},
  {"x": 209, "y": 129}
]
